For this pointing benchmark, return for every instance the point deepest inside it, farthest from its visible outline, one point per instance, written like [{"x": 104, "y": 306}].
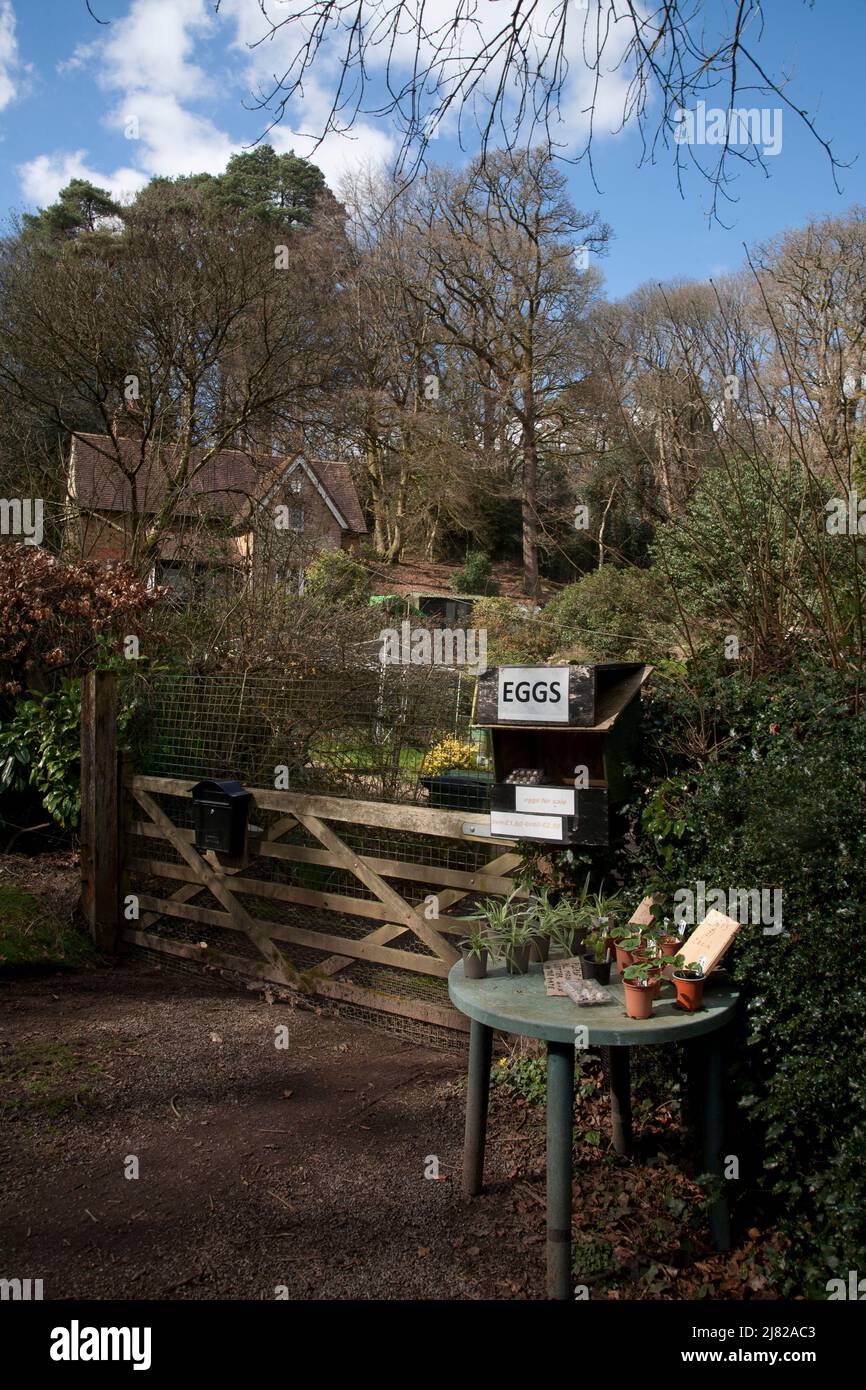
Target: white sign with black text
[{"x": 533, "y": 694}]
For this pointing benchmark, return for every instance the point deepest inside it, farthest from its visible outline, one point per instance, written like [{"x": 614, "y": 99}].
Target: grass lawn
[{"x": 30, "y": 934}]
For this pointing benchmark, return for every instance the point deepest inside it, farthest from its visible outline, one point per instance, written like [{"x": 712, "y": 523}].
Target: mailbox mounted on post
[
  {"x": 220, "y": 812},
  {"x": 546, "y": 723}
]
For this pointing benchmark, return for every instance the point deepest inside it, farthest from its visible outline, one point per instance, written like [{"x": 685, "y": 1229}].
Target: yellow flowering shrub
[{"x": 446, "y": 755}]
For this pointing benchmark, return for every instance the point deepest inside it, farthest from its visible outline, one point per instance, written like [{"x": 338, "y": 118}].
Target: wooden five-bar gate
[{"x": 381, "y": 941}]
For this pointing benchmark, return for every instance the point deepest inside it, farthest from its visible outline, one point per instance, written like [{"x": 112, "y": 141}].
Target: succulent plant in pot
[
  {"x": 641, "y": 986},
  {"x": 689, "y": 983},
  {"x": 594, "y": 961}
]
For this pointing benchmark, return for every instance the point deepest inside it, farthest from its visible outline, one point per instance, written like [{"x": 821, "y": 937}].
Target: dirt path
[
  {"x": 302, "y": 1167},
  {"x": 258, "y": 1166}
]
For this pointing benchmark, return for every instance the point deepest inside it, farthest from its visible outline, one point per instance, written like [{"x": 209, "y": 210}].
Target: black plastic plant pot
[
  {"x": 541, "y": 948},
  {"x": 517, "y": 961},
  {"x": 596, "y": 970},
  {"x": 474, "y": 966},
  {"x": 458, "y": 791}
]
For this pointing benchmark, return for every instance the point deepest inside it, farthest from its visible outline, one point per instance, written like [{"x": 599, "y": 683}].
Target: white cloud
[
  {"x": 145, "y": 60},
  {"x": 43, "y": 177},
  {"x": 9, "y": 63}
]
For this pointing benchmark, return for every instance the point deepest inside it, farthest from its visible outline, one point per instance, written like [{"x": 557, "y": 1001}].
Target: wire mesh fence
[{"x": 371, "y": 732}]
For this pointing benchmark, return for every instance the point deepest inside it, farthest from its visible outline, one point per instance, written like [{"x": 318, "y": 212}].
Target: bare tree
[
  {"x": 505, "y": 285},
  {"x": 203, "y": 330},
  {"x": 504, "y": 71}
]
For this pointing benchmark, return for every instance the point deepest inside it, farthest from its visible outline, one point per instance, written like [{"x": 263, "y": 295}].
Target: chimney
[{"x": 126, "y": 422}]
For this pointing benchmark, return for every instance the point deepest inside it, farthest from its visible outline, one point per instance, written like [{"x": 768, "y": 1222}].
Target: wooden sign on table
[
  {"x": 710, "y": 940},
  {"x": 643, "y": 914}
]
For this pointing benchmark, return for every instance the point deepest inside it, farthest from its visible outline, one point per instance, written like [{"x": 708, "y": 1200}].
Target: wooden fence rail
[{"x": 397, "y": 916}]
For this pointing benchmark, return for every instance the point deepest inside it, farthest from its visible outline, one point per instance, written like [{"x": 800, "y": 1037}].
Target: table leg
[
  {"x": 713, "y": 1127},
  {"x": 619, "y": 1082},
  {"x": 477, "y": 1094},
  {"x": 560, "y": 1123}
]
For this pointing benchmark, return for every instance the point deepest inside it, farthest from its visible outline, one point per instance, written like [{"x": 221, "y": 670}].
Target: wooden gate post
[{"x": 100, "y": 870}]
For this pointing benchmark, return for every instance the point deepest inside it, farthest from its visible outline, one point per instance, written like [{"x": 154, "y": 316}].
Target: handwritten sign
[
  {"x": 556, "y": 971},
  {"x": 709, "y": 941}
]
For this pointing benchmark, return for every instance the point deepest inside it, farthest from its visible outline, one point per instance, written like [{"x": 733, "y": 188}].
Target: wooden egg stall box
[{"x": 561, "y": 738}]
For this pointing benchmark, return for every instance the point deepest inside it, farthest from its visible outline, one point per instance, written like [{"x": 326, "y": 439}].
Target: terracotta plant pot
[
  {"x": 596, "y": 969},
  {"x": 475, "y": 967},
  {"x": 670, "y": 945},
  {"x": 518, "y": 962},
  {"x": 639, "y": 1000},
  {"x": 623, "y": 958},
  {"x": 690, "y": 993},
  {"x": 541, "y": 948}
]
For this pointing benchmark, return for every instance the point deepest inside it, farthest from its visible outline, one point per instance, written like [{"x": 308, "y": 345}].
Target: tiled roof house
[{"x": 238, "y": 511}]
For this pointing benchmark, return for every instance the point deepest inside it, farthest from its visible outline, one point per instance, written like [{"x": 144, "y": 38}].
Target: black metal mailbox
[{"x": 220, "y": 812}]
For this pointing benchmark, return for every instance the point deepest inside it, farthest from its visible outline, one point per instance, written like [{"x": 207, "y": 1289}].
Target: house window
[{"x": 296, "y": 518}]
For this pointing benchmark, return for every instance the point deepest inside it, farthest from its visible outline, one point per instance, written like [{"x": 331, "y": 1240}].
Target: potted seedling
[
  {"x": 640, "y": 987},
  {"x": 632, "y": 944},
  {"x": 668, "y": 941},
  {"x": 541, "y": 915},
  {"x": 603, "y": 909},
  {"x": 594, "y": 961},
  {"x": 498, "y": 915},
  {"x": 689, "y": 983},
  {"x": 475, "y": 949},
  {"x": 515, "y": 942}
]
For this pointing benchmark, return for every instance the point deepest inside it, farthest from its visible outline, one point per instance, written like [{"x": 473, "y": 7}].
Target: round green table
[{"x": 518, "y": 1004}]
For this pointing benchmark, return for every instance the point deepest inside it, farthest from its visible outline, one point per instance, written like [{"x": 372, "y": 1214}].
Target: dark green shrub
[
  {"x": 474, "y": 578},
  {"x": 763, "y": 787},
  {"x": 40, "y": 748},
  {"x": 611, "y": 613},
  {"x": 337, "y": 577}
]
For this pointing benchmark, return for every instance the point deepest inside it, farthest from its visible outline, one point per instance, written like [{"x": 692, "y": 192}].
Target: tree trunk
[{"x": 529, "y": 507}]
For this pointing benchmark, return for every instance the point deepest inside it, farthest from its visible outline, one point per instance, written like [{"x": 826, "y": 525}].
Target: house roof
[{"x": 225, "y": 486}]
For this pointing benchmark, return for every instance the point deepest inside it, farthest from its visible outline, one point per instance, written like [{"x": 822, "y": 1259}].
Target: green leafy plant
[
  {"x": 476, "y": 943},
  {"x": 522, "y": 1076},
  {"x": 541, "y": 913},
  {"x": 497, "y": 913},
  {"x": 511, "y": 940},
  {"x": 642, "y": 973},
  {"x": 760, "y": 782},
  {"x": 693, "y": 971},
  {"x": 475, "y": 576},
  {"x": 336, "y": 577},
  {"x": 40, "y": 748},
  {"x": 595, "y": 945}
]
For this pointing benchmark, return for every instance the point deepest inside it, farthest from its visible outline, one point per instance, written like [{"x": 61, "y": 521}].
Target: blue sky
[{"x": 162, "y": 90}]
